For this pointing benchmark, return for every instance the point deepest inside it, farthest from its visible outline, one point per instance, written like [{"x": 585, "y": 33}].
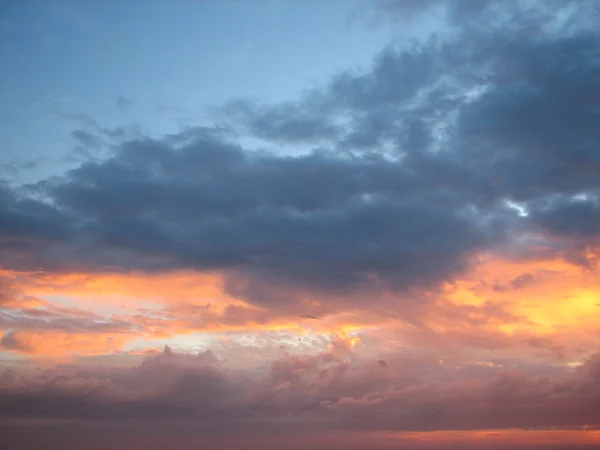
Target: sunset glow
[{"x": 343, "y": 224}]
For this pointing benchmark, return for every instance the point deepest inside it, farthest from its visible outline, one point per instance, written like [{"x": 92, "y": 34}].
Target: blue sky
[{"x": 167, "y": 64}]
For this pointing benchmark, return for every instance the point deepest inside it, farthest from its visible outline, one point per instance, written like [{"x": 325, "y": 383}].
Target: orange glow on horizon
[
  {"x": 541, "y": 298},
  {"x": 499, "y": 437}
]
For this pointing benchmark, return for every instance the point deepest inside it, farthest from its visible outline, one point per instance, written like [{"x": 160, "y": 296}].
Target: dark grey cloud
[
  {"x": 414, "y": 162},
  {"x": 22, "y": 217},
  {"x": 322, "y": 219},
  {"x": 570, "y": 217},
  {"x": 538, "y": 130},
  {"x": 123, "y": 103}
]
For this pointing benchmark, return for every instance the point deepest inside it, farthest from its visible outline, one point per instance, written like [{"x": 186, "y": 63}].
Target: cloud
[
  {"x": 437, "y": 155},
  {"x": 68, "y": 320},
  {"x": 413, "y": 248},
  {"x": 415, "y": 160},
  {"x": 70, "y": 437},
  {"x": 570, "y": 216},
  {"x": 148, "y": 207},
  {"x": 86, "y": 139},
  {"x": 286, "y": 123},
  {"x": 12, "y": 342},
  {"x": 462, "y": 14},
  {"x": 300, "y": 391},
  {"x": 123, "y": 103}
]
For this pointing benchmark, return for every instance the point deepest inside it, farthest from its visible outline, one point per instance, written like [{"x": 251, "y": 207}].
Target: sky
[{"x": 332, "y": 224}]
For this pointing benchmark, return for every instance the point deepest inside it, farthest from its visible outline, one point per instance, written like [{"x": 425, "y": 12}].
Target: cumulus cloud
[
  {"x": 301, "y": 391},
  {"x": 209, "y": 204},
  {"x": 413, "y": 181}
]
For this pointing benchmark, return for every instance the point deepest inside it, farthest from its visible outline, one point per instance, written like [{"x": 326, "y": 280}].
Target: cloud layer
[
  {"x": 330, "y": 391},
  {"x": 408, "y": 247},
  {"x": 410, "y": 178}
]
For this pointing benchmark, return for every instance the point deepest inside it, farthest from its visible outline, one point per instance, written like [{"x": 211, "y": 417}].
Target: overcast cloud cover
[{"x": 403, "y": 252}]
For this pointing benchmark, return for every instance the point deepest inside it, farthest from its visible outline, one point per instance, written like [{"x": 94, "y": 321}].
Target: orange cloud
[
  {"x": 502, "y": 438},
  {"x": 117, "y": 288},
  {"x": 552, "y": 295},
  {"x": 57, "y": 343},
  {"x": 498, "y": 297}
]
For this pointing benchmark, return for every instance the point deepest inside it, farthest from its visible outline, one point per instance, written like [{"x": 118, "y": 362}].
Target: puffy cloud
[
  {"x": 570, "y": 216},
  {"x": 150, "y": 207},
  {"x": 382, "y": 202},
  {"x": 301, "y": 391}
]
